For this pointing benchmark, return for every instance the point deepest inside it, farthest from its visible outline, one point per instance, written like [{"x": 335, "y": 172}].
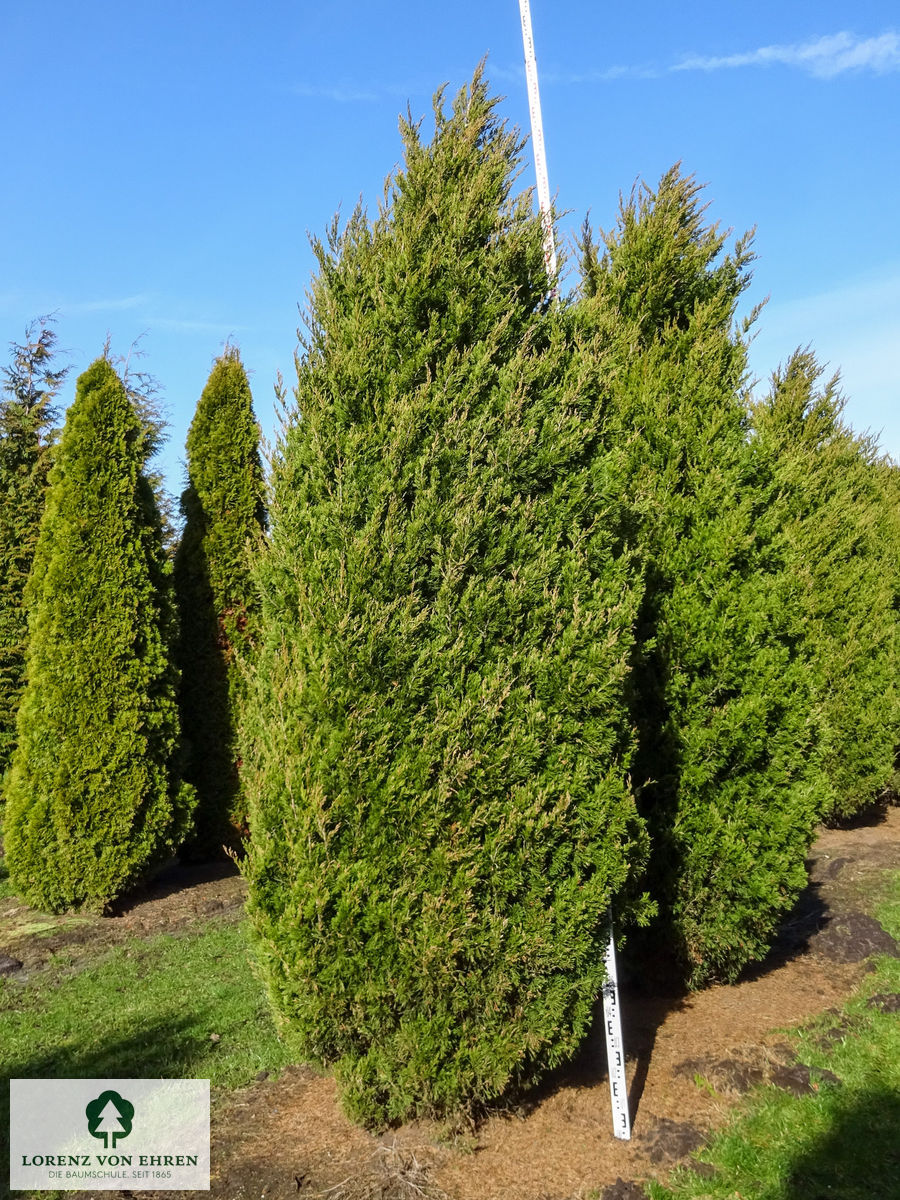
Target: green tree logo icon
[{"x": 109, "y": 1116}]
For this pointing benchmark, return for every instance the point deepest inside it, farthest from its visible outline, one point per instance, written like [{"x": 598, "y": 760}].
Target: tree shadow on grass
[
  {"x": 858, "y": 1159},
  {"x": 158, "y": 1050}
]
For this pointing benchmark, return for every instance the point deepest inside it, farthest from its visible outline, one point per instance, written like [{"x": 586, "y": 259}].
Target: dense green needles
[
  {"x": 837, "y": 539},
  {"x": 720, "y": 698},
  {"x": 27, "y": 413},
  {"x": 94, "y": 799},
  {"x": 224, "y": 516},
  {"x": 438, "y": 744}
]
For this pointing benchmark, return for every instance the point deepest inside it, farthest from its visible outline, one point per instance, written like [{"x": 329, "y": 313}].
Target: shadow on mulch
[
  {"x": 806, "y": 920},
  {"x": 176, "y": 899},
  {"x": 174, "y": 879},
  {"x": 870, "y": 816},
  {"x": 623, "y": 1189},
  {"x": 642, "y": 1017},
  {"x": 813, "y": 926},
  {"x": 655, "y": 988}
]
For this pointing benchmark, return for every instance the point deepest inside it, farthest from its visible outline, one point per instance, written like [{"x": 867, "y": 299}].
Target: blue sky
[{"x": 163, "y": 162}]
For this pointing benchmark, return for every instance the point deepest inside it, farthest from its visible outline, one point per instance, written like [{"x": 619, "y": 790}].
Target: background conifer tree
[
  {"x": 437, "y": 740},
  {"x": 721, "y": 700},
  {"x": 223, "y": 508},
  {"x": 94, "y": 801},
  {"x": 27, "y": 415},
  {"x": 838, "y": 543}
]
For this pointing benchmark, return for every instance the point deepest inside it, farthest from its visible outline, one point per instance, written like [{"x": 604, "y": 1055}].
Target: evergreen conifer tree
[
  {"x": 224, "y": 515},
  {"x": 837, "y": 540},
  {"x": 721, "y": 699},
  {"x": 27, "y": 415},
  {"x": 437, "y": 739},
  {"x": 94, "y": 801}
]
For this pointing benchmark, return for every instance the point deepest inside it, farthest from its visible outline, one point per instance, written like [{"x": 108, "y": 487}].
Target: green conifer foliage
[
  {"x": 721, "y": 700},
  {"x": 224, "y": 516},
  {"x": 27, "y": 415},
  {"x": 837, "y": 540},
  {"x": 437, "y": 739},
  {"x": 93, "y": 801}
]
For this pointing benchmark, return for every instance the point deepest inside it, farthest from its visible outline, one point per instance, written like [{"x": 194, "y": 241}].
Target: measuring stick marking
[{"x": 615, "y": 1047}]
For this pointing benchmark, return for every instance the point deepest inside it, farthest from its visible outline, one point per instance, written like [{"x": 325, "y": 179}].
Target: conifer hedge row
[
  {"x": 551, "y": 622},
  {"x": 89, "y": 666},
  {"x": 540, "y": 588},
  {"x": 836, "y": 520},
  {"x": 720, "y": 699}
]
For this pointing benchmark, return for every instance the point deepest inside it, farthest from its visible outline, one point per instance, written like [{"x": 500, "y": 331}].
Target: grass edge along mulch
[{"x": 843, "y": 1141}]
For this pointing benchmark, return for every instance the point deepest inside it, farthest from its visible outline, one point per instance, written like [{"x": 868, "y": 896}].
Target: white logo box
[{"x": 147, "y": 1134}]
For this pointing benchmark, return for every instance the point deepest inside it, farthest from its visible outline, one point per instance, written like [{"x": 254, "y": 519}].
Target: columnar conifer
[
  {"x": 721, "y": 699},
  {"x": 224, "y": 516},
  {"x": 838, "y": 542},
  {"x": 94, "y": 801},
  {"x": 437, "y": 741},
  {"x": 27, "y": 415}
]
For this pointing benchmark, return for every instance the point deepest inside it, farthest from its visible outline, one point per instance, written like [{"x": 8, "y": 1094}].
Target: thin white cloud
[
  {"x": 607, "y": 75},
  {"x": 340, "y": 95},
  {"x": 118, "y": 304},
  {"x": 573, "y": 78},
  {"x": 188, "y": 325},
  {"x": 823, "y": 57}
]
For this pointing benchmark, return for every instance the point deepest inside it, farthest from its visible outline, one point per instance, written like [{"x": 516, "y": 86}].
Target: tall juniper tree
[
  {"x": 722, "y": 699},
  {"x": 223, "y": 508},
  {"x": 838, "y": 534},
  {"x": 27, "y": 416},
  {"x": 94, "y": 798},
  {"x": 437, "y": 741}
]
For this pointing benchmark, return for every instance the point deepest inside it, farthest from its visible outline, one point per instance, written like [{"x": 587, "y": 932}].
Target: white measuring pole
[
  {"x": 615, "y": 1047},
  {"x": 612, "y": 1017},
  {"x": 537, "y": 138}
]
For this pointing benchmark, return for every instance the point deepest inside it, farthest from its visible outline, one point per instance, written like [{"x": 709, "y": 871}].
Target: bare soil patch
[
  {"x": 177, "y": 898},
  {"x": 689, "y": 1058}
]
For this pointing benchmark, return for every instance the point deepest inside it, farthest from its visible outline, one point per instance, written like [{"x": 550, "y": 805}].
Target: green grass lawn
[
  {"x": 841, "y": 1143},
  {"x": 146, "y": 1009}
]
